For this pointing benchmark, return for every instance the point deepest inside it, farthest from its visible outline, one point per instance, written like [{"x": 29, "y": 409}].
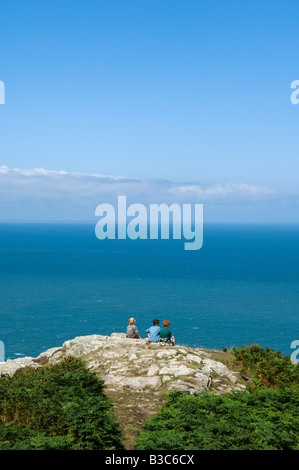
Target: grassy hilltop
[{"x": 66, "y": 404}]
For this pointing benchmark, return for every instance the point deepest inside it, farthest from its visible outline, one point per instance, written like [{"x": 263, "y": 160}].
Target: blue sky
[{"x": 169, "y": 94}]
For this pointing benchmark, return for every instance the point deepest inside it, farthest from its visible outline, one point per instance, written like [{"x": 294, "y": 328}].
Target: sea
[{"x": 59, "y": 281}]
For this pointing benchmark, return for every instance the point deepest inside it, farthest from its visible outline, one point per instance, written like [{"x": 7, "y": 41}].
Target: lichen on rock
[{"x": 138, "y": 364}]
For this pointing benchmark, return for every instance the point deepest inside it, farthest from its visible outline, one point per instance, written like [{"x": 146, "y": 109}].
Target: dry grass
[{"x": 132, "y": 409}]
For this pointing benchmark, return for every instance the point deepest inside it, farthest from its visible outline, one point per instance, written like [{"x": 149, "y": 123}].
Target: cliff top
[{"x": 138, "y": 374}]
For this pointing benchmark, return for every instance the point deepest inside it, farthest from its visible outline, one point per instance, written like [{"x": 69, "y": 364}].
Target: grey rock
[
  {"x": 9, "y": 367},
  {"x": 137, "y": 364},
  {"x": 183, "y": 370},
  {"x": 153, "y": 370},
  {"x": 194, "y": 358}
]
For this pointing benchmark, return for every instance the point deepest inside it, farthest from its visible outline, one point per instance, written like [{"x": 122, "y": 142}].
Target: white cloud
[
  {"x": 52, "y": 183},
  {"x": 228, "y": 191},
  {"x": 60, "y": 194}
]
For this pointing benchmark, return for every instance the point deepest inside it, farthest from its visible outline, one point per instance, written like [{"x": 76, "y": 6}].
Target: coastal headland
[{"x": 138, "y": 374}]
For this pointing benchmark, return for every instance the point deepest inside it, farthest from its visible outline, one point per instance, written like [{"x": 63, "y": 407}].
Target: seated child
[
  {"x": 132, "y": 330},
  {"x": 165, "y": 333},
  {"x": 154, "y": 332}
]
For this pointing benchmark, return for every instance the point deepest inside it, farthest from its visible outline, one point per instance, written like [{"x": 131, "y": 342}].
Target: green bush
[
  {"x": 61, "y": 406},
  {"x": 268, "y": 367},
  {"x": 265, "y": 417},
  {"x": 265, "y": 420}
]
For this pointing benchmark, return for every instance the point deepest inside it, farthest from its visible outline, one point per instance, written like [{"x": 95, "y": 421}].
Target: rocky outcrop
[{"x": 139, "y": 365}]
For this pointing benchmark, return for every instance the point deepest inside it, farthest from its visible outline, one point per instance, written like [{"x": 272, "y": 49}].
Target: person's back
[
  {"x": 132, "y": 330},
  {"x": 165, "y": 333},
  {"x": 154, "y": 332}
]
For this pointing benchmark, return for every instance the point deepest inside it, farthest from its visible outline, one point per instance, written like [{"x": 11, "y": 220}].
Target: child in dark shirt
[{"x": 165, "y": 333}]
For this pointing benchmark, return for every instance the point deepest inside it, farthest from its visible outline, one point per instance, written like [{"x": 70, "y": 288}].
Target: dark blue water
[{"x": 60, "y": 281}]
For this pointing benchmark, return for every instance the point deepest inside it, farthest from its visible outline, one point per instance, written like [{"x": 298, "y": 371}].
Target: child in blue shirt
[{"x": 154, "y": 332}]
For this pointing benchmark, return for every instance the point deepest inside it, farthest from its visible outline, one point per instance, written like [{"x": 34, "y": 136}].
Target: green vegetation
[
  {"x": 269, "y": 368},
  {"x": 64, "y": 407},
  {"x": 266, "y": 420},
  {"x": 265, "y": 417},
  {"x": 61, "y": 407}
]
